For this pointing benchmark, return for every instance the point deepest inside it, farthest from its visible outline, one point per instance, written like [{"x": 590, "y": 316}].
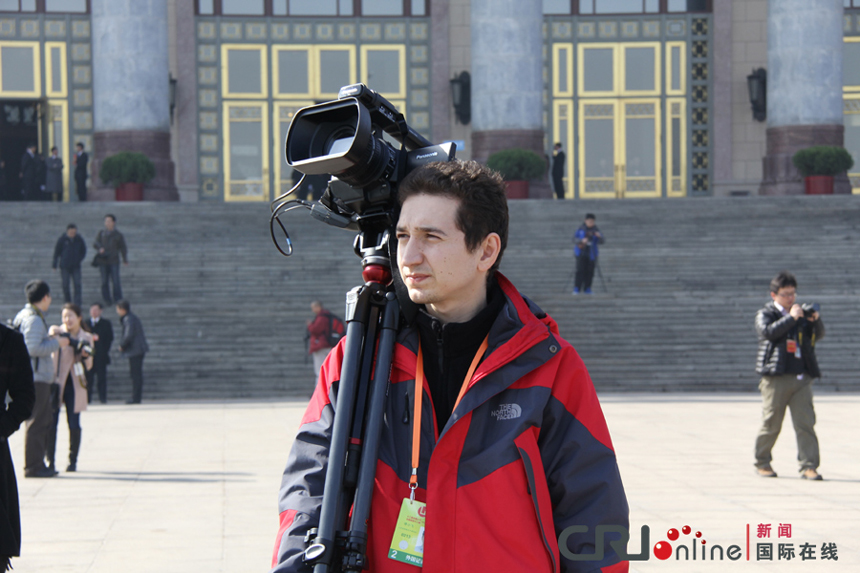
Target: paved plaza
[{"x": 192, "y": 487}]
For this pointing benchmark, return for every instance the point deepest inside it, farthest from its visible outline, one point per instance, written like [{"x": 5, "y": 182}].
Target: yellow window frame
[
  {"x": 853, "y": 176},
  {"x": 312, "y": 65},
  {"x": 400, "y": 49},
  {"x": 318, "y": 50},
  {"x": 49, "y": 70},
  {"x": 621, "y": 146},
  {"x": 264, "y": 67},
  {"x": 682, "y": 67},
  {"x": 264, "y": 146},
  {"x": 63, "y": 145},
  {"x": 280, "y": 159},
  {"x": 670, "y": 142},
  {"x": 37, "y": 71},
  {"x": 557, "y": 90},
  {"x": 848, "y": 89},
  {"x": 563, "y": 109},
  {"x": 619, "y": 65},
  {"x": 583, "y": 192}
]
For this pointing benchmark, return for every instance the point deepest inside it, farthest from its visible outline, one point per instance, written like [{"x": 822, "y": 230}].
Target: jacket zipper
[{"x": 530, "y": 476}]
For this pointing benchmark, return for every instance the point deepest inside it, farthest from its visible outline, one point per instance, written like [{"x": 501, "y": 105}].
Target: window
[
  {"x": 46, "y": 6},
  {"x": 244, "y": 71},
  {"x": 294, "y": 8},
  {"x": 608, "y": 7},
  {"x": 20, "y": 73}
]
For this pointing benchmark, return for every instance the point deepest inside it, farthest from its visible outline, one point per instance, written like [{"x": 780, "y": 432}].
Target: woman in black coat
[{"x": 16, "y": 379}]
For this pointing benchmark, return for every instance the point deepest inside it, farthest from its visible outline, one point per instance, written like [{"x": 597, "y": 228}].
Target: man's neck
[{"x": 461, "y": 311}]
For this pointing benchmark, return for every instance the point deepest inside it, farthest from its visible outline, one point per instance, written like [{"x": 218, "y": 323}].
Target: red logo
[{"x": 422, "y": 511}]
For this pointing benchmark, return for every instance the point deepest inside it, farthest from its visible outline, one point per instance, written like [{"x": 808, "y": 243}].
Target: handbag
[{"x": 99, "y": 260}]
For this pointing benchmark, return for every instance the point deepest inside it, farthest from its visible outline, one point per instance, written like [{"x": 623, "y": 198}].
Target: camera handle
[{"x": 372, "y": 322}]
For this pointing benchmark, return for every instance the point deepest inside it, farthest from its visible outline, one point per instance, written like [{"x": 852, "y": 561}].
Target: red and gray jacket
[{"x": 525, "y": 455}]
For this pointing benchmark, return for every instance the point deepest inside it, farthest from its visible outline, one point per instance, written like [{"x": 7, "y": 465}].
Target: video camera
[
  {"x": 346, "y": 139},
  {"x": 80, "y": 347}
]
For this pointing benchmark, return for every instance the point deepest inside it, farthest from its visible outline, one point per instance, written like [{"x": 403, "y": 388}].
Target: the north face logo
[{"x": 507, "y": 412}]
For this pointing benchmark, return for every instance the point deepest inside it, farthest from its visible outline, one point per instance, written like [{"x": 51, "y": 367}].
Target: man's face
[
  {"x": 589, "y": 223},
  {"x": 95, "y": 311},
  {"x": 437, "y": 268},
  {"x": 785, "y": 296},
  {"x": 109, "y": 223},
  {"x": 316, "y": 309},
  {"x": 45, "y": 303},
  {"x": 71, "y": 233},
  {"x": 120, "y": 311}
]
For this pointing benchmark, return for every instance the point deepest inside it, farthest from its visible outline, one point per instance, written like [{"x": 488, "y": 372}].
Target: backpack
[{"x": 336, "y": 330}]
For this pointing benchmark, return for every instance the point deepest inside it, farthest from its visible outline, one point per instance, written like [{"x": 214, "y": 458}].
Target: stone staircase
[{"x": 225, "y": 313}]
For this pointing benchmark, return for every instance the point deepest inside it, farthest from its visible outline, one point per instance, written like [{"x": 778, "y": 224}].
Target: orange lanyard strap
[{"x": 419, "y": 395}]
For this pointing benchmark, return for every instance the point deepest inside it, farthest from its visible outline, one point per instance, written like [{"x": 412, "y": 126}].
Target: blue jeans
[
  {"x": 111, "y": 272},
  {"x": 74, "y": 274}
]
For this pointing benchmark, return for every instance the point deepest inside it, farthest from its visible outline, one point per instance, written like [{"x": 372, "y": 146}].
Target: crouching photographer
[
  {"x": 787, "y": 334},
  {"x": 71, "y": 363}
]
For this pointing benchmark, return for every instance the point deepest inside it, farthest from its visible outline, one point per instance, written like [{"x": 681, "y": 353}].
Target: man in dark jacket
[
  {"x": 786, "y": 360},
  {"x": 510, "y": 447},
  {"x": 16, "y": 380},
  {"x": 558, "y": 170},
  {"x": 80, "y": 160},
  {"x": 110, "y": 244},
  {"x": 30, "y": 174},
  {"x": 585, "y": 249},
  {"x": 133, "y": 346},
  {"x": 68, "y": 254},
  {"x": 102, "y": 328},
  {"x": 318, "y": 331}
]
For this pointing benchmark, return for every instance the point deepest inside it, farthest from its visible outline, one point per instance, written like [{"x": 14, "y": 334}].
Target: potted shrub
[
  {"x": 127, "y": 171},
  {"x": 518, "y": 167},
  {"x": 819, "y": 164}
]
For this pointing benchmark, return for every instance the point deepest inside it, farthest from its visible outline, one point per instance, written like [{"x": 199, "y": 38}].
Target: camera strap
[{"x": 419, "y": 394}]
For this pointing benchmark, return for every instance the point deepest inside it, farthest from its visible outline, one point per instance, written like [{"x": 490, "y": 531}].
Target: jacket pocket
[{"x": 533, "y": 491}]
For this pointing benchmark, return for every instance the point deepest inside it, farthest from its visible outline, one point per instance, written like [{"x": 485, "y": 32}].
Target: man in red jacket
[
  {"x": 318, "y": 330},
  {"x": 512, "y": 447}
]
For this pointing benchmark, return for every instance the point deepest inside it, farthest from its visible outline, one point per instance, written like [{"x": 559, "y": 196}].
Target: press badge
[
  {"x": 407, "y": 545},
  {"x": 791, "y": 346}
]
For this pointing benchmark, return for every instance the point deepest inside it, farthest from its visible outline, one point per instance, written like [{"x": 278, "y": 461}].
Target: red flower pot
[
  {"x": 517, "y": 189},
  {"x": 130, "y": 192},
  {"x": 819, "y": 185}
]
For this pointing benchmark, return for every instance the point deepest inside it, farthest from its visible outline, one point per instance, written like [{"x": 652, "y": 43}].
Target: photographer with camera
[
  {"x": 585, "y": 249},
  {"x": 492, "y": 433},
  {"x": 71, "y": 363},
  {"x": 787, "y": 334}
]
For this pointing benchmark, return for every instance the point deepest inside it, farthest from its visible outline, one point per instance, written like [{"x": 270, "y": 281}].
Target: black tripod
[{"x": 372, "y": 316}]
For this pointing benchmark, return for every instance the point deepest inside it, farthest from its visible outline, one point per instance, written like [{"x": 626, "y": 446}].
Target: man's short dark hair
[
  {"x": 98, "y": 304},
  {"x": 54, "y": 148},
  {"x": 481, "y": 191},
  {"x": 590, "y": 216},
  {"x": 71, "y": 226},
  {"x": 782, "y": 280},
  {"x": 36, "y": 290},
  {"x": 124, "y": 304},
  {"x": 112, "y": 218},
  {"x": 558, "y": 144},
  {"x": 79, "y": 144}
]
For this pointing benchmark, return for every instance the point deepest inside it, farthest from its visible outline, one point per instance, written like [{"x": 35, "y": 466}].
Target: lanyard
[{"x": 419, "y": 394}]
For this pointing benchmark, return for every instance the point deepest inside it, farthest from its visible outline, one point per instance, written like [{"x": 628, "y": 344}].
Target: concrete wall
[
  {"x": 749, "y": 51},
  {"x": 460, "y": 57}
]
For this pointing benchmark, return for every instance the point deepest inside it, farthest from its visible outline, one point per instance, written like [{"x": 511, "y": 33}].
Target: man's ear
[{"x": 490, "y": 248}]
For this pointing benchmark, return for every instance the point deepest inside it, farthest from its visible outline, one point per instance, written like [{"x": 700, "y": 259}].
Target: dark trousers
[
  {"x": 38, "y": 428},
  {"x": 81, "y": 184},
  {"x": 111, "y": 273},
  {"x": 74, "y": 420},
  {"x": 558, "y": 186},
  {"x": 135, "y": 364},
  {"x": 98, "y": 371},
  {"x": 71, "y": 275},
  {"x": 584, "y": 271}
]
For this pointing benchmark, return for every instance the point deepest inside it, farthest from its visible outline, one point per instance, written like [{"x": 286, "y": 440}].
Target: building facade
[{"x": 649, "y": 98}]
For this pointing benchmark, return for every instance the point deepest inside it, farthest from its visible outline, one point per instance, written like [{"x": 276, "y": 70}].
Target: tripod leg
[
  {"x": 321, "y": 552},
  {"x": 357, "y": 539}
]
